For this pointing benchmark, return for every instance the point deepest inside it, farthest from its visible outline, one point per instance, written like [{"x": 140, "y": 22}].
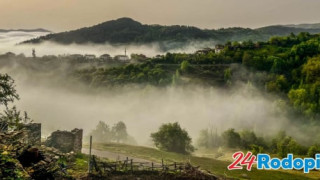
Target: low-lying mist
[
  {"x": 9, "y": 41},
  {"x": 49, "y": 101}
]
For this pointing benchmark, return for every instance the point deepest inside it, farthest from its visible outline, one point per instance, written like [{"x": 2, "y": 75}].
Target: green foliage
[
  {"x": 227, "y": 76},
  {"x": 11, "y": 117},
  {"x": 278, "y": 84},
  {"x": 171, "y": 137},
  {"x": 102, "y": 133},
  {"x": 289, "y": 66},
  {"x": 313, "y": 150},
  {"x": 245, "y": 139},
  {"x": 7, "y": 90},
  {"x": 289, "y": 145},
  {"x": 185, "y": 66},
  {"x": 248, "y": 138},
  {"x": 306, "y": 98},
  {"x": 119, "y": 132},
  {"x": 208, "y": 139},
  {"x": 255, "y": 149},
  {"x": 9, "y": 168},
  {"x": 231, "y": 138},
  {"x": 147, "y": 73}
]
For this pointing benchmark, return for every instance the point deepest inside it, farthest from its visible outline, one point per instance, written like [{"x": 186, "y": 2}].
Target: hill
[
  {"x": 126, "y": 30},
  {"x": 305, "y": 26},
  {"x": 24, "y": 30}
]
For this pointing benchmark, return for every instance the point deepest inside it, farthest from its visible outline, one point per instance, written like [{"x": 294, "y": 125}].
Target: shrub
[{"x": 171, "y": 137}]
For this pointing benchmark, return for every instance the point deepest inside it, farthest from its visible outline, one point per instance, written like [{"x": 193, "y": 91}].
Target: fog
[
  {"x": 11, "y": 38},
  {"x": 9, "y": 42},
  {"x": 59, "y": 102}
]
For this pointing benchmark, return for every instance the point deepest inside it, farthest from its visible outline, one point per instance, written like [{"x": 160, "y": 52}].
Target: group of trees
[
  {"x": 103, "y": 133},
  {"x": 145, "y": 73},
  {"x": 280, "y": 144},
  {"x": 291, "y": 67}
]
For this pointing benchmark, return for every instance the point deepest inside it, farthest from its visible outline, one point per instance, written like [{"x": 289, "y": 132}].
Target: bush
[
  {"x": 289, "y": 145},
  {"x": 248, "y": 138},
  {"x": 255, "y": 149},
  {"x": 185, "y": 66},
  {"x": 313, "y": 150},
  {"x": 171, "y": 137},
  {"x": 231, "y": 138}
]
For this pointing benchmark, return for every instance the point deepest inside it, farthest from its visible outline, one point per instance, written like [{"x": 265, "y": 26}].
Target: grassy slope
[{"x": 217, "y": 167}]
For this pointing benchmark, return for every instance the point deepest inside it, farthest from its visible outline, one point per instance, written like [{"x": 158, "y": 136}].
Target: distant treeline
[{"x": 280, "y": 144}]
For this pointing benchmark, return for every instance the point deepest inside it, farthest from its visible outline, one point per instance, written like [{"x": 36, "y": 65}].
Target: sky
[{"x": 62, "y": 15}]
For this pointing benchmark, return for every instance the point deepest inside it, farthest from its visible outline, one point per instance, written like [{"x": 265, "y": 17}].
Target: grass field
[{"x": 217, "y": 167}]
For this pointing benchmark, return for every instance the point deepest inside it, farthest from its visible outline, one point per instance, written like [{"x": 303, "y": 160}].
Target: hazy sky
[{"x": 60, "y": 15}]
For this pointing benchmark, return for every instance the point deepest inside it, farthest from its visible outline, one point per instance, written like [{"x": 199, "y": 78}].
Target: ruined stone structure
[
  {"x": 66, "y": 141},
  {"x": 33, "y": 131}
]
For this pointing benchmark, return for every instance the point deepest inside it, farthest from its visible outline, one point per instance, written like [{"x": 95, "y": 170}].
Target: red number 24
[{"x": 240, "y": 160}]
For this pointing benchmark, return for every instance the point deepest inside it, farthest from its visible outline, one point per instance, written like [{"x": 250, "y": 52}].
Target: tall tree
[{"x": 119, "y": 132}]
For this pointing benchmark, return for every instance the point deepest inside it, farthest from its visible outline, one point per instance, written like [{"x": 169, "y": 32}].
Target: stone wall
[
  {"x": 66, "y": 141},
  {"x": 34, "y": 133},
  {"x": 78, "y": 133}
]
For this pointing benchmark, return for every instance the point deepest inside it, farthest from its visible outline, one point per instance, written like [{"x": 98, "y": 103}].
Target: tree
[
  {"x": 247, "y": 59},
  {"x": 11, "y": 117},
  {"x": 311, "y": 70},
  {"x": 171, "y": 137},
  {"x": 208, "y": 138},
  {"x": 8, "y": 92},
  {"x": 119, "y": 132},
  {"x": 102, "y": 133},
  {"x": 185, "y": 66},
  {"x": 204, "y": 138},
  {"x": 227, "y": 75},
  {"x": 313, "y": 150},
  {"x": 248, "y": 138},
  {"x": 289, "y": 145},
  {"x": 231, "y": 138}
]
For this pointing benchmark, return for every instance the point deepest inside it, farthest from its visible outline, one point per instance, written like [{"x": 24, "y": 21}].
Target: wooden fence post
[
  {"x": 152, "y": 166},
  {"x": 162, "y": 164},
  {"x": 90, "y": 158},
  {"x": 131, "y": 165},
  {"x": 127, "y": 163}
]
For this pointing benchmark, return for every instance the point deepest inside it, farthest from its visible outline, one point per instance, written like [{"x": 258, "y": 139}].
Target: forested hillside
[
  {"x": 126, "y": 30},
  {"x": 286, "y": 66}
]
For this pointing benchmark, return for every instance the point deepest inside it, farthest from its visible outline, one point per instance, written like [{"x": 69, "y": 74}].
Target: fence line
[{"x": 128, "y": 165}]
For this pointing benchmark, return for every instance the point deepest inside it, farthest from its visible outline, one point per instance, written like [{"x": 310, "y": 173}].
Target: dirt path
[{"x": 115, "y": 156}]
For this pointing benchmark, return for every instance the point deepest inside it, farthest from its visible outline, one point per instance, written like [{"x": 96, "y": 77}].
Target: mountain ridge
[{"x": 126, "y": 30}]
